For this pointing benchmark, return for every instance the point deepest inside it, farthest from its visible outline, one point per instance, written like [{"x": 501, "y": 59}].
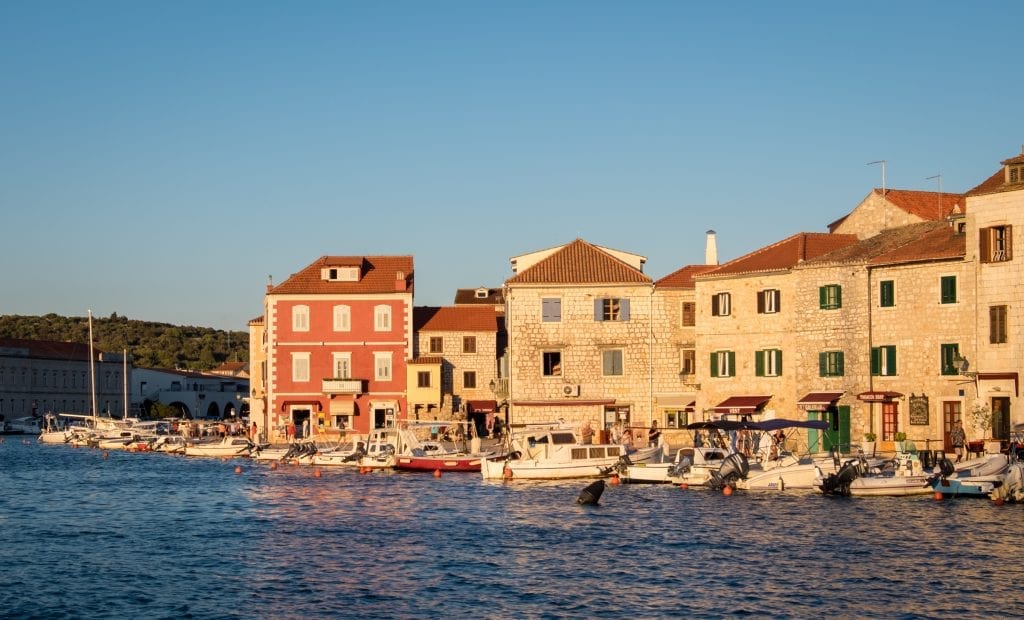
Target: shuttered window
[{"x": 997, "y": 324}]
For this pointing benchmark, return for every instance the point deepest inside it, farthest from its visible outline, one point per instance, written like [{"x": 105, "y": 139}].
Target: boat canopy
[{"x": 766, "y": 425}]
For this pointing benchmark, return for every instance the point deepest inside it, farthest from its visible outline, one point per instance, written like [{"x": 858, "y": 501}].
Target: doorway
[
  {"x": 952, "y": 412},
  {"x": 836, "y": 435},
  {"x": 1001, "y": 417},
  {"x": 300, "y": 418}
]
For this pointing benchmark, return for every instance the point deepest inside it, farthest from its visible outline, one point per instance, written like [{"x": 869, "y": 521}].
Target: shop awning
[
  {"x": 879, "y": 397},
  {"x": 312, "y": 404},
  {"x": 816, "y": 401},
  {"x": 680, "y": 403},
  {"x": 342, "y": 406},
  {"x": 1001, "y": 376},
  {"x": 741, "y": 404},
  {"x": 481, "y": 406}
]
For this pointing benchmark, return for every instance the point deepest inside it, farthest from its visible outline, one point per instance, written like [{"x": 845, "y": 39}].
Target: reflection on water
[{"x": 160, "y": 536}]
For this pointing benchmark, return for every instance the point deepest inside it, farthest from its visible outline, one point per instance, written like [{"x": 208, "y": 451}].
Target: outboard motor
[
  {"x": 946, "y": 468},
  {"x": 839, "y": 482},
  {"x": 733, "y": 468}
]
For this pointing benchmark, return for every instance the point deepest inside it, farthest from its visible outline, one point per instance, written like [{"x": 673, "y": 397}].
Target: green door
[
  {"x": 837, "y": 434},
  {"x": 813, "y": 435}
]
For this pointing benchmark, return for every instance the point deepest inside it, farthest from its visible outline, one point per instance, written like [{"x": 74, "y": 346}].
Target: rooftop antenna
[
  {"x": 885, "y": 212},
  {"x": 939, "y": 178}
]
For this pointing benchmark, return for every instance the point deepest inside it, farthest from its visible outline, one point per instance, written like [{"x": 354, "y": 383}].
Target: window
[
  {"x": 469, "y": 380},
  {"x": 723, "y": 364},
  {"x": 300, "y": 367},
  {"x": 551, "y": 310},
  {"x": 997, "y": 324},
  {"x": 552, "y": 361},
  {"x": 469, "y": 344},
  {"x": 688, "y": 361},
  {"x": 721, "y": 304},
  {"x": 948, "y": 290},
  {"x": 768, "y": 301},
  {"x": 436, "y": 344},
  {"x": 949, "y": 352},
  {"x": 342, "y": 319},
  {"x": 342, "y": 365},
  {"x": 382, "y": 366},
  {"x": 883, "y": 361},
  {"x": 1015, "y": 174},
  {"x": 676, "y": 418},
  {"x": 611, "y": 363},
  {"x": 887, "y": 293},
  {"x": 768, "y": 363},
  {"x": 830, "y": 297},
  {"x": 689, "y": 314},
  {"x": 830, "y": 364},
  {"x": 423, "y": 378},
  {"x": 611, "y": 309},
  {"x": 995, "y": 244},
  {"x": 382, "y": 318},
  {"x": 300, "y": 318}
]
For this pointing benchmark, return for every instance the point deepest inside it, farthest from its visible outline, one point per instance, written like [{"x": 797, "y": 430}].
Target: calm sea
[{"x": 155, "y": 536}]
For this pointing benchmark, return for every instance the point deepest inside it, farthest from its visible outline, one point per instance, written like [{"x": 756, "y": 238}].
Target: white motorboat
[
  {"x": 904, "y": 475},
  {"x": 553, "y": 452},
  {"x": 226, "y": 447},
  {"x": 54, "y": 431}
]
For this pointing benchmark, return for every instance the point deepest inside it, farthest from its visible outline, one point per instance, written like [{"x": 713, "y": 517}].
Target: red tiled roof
[
  {"x": 941, "y": 243},
  {"x": 683, "y": 278},
  {"x": 931, "y": 206},
  {"x": 881, "y": 244},
  {"x": 467, "y": 296},
  {"x": 580, "y": 262},
  {"x": 786, "y": 253},
  {"x": 455, "y": 319},
  {"x": 379, "y": 274},
  {"x": 997, "y": 182},
  {"x": 49, "y": 349},
  {"x": 434, "y": 359}
]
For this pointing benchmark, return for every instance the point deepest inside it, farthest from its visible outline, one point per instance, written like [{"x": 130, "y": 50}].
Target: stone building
[{"x": 579, "y": 319}]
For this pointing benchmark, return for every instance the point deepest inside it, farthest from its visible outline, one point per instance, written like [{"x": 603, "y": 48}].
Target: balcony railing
[{"x": 342, "y": 386}]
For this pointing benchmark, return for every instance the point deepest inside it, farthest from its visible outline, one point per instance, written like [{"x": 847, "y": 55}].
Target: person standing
[
  {"x": 958, "y": 438},
  {"x": 653, "y": 434},
  {"x": 586, "y": 432}
]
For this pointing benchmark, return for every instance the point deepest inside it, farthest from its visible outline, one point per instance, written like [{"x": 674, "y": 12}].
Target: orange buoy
[
  {"x": 507, "y": 473},
  {"x": 683, "y": 486},
  {"x": 614, "y": 480},
  {"x": 437, "y": 473},
  {"x": 316, "y": 473},
  {"x": 997, "y": 501},
  {"x": 238, "y": 469},
  {"x": 364, "y": 470},
  {"x": 937, "y": 496},
  {"x": 727, "y": 491},
  {"x": 273, "y": 465}
]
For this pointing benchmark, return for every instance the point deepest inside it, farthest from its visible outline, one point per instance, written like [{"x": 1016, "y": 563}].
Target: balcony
[{"x": 342, "y": 386}]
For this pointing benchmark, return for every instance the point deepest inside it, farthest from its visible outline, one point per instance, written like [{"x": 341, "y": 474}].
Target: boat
[
  {"x": 458, "y": 450},
  {"x": 28, "y": 425},
  {"x": 555, "y": 452},
  {"x": 169, "y": 444},
  {"x": 779, "y": 469},
  {"x": 226, "y": 447},
  {"x": 903, "y": 475},
  {"x": 54, "y": 430},
  {"x": 977, "y": 477}
]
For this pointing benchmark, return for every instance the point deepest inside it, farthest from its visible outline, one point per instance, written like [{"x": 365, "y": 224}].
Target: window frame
[
  {"x": 469, "y": 345},
  {"x": 383, "y": 366},
  {"x": 997, "y": 324},
  {"x": 342, "y": 318},
  {"x": 768, "y": 363},
  {"x": 947, "y": 353},
  {"x": 832, "y": 363},
  {"x": 611, "y": 309},
  {"x": 830, "y": 297},
  {"x": 551, "y": 364},
  {"x": 340, "y": 361},
  {"x": 887, "y": 294},
  {"x": 551, "y": 310},
  {"x": 947, "y": 290},
  {"x": 301, "y": 367},
  {"x": 300, "y": 318},
  {"x": 995, "y": 244},
  {"x": 721, "y": 304},
  {"x": 435, "y": 344},
  {"x": 723, "y": 364},
  {"x": 688, "y": 361},
  {"x": 613, "y": 360},
  {"x": 469, "y": 379},
  {"x": 422, "y": 378},
  {"x": 382, "y": 318},
  {"x": 769, "y": 301},
  {"x": 883, "y": 361},
  {"x": 689, "y": 314}
]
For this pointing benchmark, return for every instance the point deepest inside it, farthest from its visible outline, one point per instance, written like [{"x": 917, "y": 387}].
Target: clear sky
[{"x": 162, "y": 159}]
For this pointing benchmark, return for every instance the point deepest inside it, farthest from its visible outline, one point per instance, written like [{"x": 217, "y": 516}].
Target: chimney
[
  {"x": 270, "y": 283},
  {"x": 711, "y": 250},
  {"x": 399, "y": 281}
]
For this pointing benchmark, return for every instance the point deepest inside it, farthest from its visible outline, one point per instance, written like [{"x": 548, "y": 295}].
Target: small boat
[
  {"x": 978, "y": 477},
  {"x": 54, "y": 431},
  {"x": 226, "y": 447},
  {"x": 460, "y": 452},
  {"x": 554, "y": 452},
  {"x": 169, "y": 444},
  {"x": 903, "y": 475}
]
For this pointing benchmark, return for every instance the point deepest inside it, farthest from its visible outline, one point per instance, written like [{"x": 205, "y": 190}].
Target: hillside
[{"x": 152, "y": 345}]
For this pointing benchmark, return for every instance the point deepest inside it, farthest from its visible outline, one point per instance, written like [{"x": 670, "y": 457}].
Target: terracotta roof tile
[
  {"x": 455, "y": 319},
  {"x": 50, "y": 349},
  {"x": 884, "y": 243},
  {"x": 433, "y": 359},
  {"x": 467, "y": 296},
  {"x": 683, "y": 278},
  {"x": 379, "y": 274},
  {"x": 997, "y": 182},
  {"x": 785, "y": 254},
  {"x": 941, "y": 243},
  {"x": 931, "y": 206},
  {"x": 580, "y": 262}
]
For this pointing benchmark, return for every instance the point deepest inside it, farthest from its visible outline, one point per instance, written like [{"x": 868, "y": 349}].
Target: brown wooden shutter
[{"x": 984, "y": 245}]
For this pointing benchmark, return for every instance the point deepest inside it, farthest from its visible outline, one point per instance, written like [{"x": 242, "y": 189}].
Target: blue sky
[{"x": 161, "y": 160}]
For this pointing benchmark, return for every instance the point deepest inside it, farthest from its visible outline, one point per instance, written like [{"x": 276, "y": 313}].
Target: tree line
[{"x": 151, "y": 345}]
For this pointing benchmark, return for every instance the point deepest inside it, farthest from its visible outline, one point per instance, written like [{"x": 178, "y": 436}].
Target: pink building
[{"x": 337, "y": 336}]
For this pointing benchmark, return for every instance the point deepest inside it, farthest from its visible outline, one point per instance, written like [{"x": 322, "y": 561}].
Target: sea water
[{"x": 87, "y": 534}]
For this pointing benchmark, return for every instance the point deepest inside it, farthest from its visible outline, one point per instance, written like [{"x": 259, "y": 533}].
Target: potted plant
[
  {"x": 901, "y": 441},
  {"x": 869, "y": 443},
  {"x": 981, "y": 421}
]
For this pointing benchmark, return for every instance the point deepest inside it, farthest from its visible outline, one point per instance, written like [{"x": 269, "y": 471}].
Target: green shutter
[
  {"x": 887, "y": 294},
  {"x": 891, "y": 357},
  {"x": 822, "y": 297},
  {"x": 876, "y": 361},
  {"x": 840, "y": 365},
  {"x": 714, "y": 365},
  {"x": 948, "y": 295},
  {"x": 732, "y": 364},
  {"x": 778, "y": 362},
  {"x": 823, "y": 364},
  {"x": 759, "y": 363},
  {"x": 839, "y": 296}
]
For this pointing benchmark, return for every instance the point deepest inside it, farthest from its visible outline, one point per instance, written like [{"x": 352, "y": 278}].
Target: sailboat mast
[
  {"x": 92, "y": 368},
  {"x": 124, "y": 375}
]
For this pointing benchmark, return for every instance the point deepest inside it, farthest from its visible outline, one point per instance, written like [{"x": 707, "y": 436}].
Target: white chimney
[{"x": 711, "y": 250}]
